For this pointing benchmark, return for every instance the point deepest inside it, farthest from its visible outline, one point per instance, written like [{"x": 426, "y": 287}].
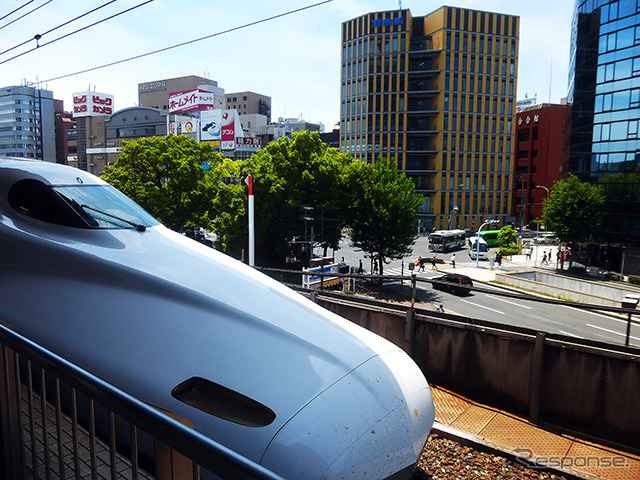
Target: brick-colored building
[{"x": 542, "y": 156}]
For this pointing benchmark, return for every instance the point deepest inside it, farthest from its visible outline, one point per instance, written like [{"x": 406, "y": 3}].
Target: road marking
[
  {"x": 507, "y": 301},
  {"x": 601, "y": 315},
  {"x": 482, "y": 306},
  {"x": 611, "y": 331},
  {"x": 570, "y": 334}
]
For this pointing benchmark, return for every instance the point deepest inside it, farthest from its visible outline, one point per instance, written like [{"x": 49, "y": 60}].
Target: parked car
[{"x": 453, "y": 283}]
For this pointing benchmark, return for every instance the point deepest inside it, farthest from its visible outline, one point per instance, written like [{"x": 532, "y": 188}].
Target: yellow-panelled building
[{"x": 436, "y": 93}]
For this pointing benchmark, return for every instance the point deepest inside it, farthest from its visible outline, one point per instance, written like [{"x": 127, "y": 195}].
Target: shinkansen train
[{"x": 88, "y": 274}]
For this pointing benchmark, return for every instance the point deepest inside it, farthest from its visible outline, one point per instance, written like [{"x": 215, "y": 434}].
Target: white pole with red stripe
[{"x": 249, "y": 181}]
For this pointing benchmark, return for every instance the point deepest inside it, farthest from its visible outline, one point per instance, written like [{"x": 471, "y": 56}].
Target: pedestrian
[
  {"x": 440, "y": 309},
  {"x": 421, "y": 263},
  {"x": 529, "y": 253},
  {"x": 433, "y": 263},
  {"x": 544, "y": 258},
  {"x": 360, "y": 267},
  {"x": 499, "y": 258},
  {"x": 453, "y": 260}
]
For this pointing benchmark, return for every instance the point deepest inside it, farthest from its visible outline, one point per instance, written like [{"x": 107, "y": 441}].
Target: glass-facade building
[
  {"x": 27, "y": 123},
  {"x": 604, "y": 86},
  {"x": 437, "y": 94}
]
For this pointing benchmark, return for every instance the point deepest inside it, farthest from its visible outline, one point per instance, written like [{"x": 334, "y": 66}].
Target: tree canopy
[
  {"x": 165, "y": 176},
  {"x": 300, "y": 186},
  {"x": 573, "y": 209},
  {"x": 383, "y": 210},
  {"x": 288, "y": 175}
]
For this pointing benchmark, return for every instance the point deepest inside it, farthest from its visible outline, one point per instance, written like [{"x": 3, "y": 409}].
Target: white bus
[
  {"x": 480, "y": 250},
  {"x": 445, "y": 240}
]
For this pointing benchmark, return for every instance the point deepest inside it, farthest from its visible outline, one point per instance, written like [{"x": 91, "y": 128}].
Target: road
[{"x": 494, "y": 307}]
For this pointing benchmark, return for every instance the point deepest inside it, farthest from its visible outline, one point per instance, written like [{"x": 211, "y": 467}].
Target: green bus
[{"x": 491, "y": 237}]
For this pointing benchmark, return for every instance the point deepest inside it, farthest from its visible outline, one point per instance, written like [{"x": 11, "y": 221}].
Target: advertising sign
[
  {"x": 223, "y": 125},
  {"x": 228, "y": 130},
  {"x": 211, "y": 121},
  {"x": 250, "y": 143},
  {"x": 91, "y": 104},
  {"x": 190, "y": 101}
]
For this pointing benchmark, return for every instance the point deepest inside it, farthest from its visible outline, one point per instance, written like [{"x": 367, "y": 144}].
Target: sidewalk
[{"x": 518, "y": 438}]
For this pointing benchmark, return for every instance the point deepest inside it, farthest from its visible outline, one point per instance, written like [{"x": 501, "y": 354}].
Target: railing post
[
  {"x": 536, "y": 377},
  {"x": 11, "y": 442},
  {"x": 413, "y": 289},
  {"x": 409, "y": 329}
]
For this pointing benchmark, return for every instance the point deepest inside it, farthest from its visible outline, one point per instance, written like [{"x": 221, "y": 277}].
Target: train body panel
[{"x": 172, "y": 321}]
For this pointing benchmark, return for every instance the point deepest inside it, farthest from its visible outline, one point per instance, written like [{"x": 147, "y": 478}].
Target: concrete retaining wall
[
  {"x": 567, "y": 288},
  {"x": 577, "y": 387}
]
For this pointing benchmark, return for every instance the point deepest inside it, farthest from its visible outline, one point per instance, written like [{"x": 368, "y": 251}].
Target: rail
[{"x": 58, "y": 421}]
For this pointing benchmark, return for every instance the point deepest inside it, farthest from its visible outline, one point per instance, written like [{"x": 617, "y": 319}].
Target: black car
[{"x": 453, "y": 283}]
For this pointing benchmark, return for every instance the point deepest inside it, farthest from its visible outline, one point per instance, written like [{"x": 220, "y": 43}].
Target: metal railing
[{"x": 59, "y": 422}]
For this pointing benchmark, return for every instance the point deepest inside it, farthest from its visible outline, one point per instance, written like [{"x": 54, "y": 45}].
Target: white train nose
[{"x": 372, "y": 423}]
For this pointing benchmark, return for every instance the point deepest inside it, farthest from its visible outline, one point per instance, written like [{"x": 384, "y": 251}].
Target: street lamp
[
  {"x": 454, "y": 209},
  {"x": 488, "y": 222},
  {"x": 542, "y": 186}
]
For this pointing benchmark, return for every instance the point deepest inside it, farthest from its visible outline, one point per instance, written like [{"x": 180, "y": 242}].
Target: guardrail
[{"x": 58, "y": 421}]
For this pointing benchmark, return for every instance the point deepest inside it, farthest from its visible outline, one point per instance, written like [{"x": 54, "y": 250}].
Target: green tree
[
  {"x": 508, "y": 239},
  {"x": 229, "y": 207},
  {"x": 164, "y": 175},
  {"x": 573, "y": 209},
  {"x": 383, "y": 212},
  {"x": 287, "y": 175}
]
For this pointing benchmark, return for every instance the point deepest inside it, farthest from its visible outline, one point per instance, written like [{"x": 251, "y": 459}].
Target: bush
[
  {"x": 613, "y": 276},
  {"x": 634, "y": 280},
  {"x": 509, "y": 249}
]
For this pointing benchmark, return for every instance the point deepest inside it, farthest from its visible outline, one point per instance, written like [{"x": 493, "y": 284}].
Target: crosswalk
[{"x": 397, "y": 271}]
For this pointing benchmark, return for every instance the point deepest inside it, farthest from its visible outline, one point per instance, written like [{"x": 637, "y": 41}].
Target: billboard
[
  {"x": 91, "y": 104},
  {"x": 250, "y": 143},
  {"x": 223, "y": 125},
  {"x": 211, "y": 122},
  {"x": 190, "y": 101}
]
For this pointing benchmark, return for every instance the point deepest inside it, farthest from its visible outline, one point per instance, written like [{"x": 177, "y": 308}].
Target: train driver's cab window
[{"x": 80, "y": 206}]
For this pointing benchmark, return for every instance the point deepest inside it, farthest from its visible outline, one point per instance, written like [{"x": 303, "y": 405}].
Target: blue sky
[{"x": 294, "y": 59}]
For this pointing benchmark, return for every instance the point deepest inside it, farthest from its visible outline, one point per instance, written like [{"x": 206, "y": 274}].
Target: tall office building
[
  {"x": 27, "y": 127},
  {"x": 604, "y": 86},
  {"x": 437, "y": 93}
]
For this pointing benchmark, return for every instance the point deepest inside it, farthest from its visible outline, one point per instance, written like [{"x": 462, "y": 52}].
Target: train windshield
[
  {"x": 80, "y": 206},
  {"x": 102, "y": 206}
]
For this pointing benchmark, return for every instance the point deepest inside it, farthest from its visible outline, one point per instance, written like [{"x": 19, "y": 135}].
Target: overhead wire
[
  {"x": 40, "y": 35},
  {"x": 28, "y": 13},
  {"x": 74, "y": 32},
  {"x": 15, "y": 10},
  {"x": 189, "y": 42}
]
